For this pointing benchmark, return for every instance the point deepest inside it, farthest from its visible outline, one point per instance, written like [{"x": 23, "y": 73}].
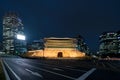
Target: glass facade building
[
  {"x": 12, "y": 27},
  {"x": 109, "y": 43}
]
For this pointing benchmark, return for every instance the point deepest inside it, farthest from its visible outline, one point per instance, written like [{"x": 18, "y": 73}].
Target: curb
[{"x": 5, "y": 72}]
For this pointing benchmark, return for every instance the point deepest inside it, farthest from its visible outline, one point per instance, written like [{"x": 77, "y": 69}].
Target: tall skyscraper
[{"x": 13, "y": 34}]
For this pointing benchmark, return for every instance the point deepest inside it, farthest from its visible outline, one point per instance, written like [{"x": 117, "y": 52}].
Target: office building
[
  {"x": 13, "y": 34},
  {"x": 109, "y": 43}
]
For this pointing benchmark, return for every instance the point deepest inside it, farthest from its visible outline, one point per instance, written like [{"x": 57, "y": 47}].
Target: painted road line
[
  {"x": 18, "y": 78},
  {"x": 61, "y": 67},
  {"x": 53, "y": 72},
  {"x": 117, "y": 65},
  {"x": 5, "y": 72},
  {"x": 34, "y": 73},
  {"x": 103, "y": 65},
  {"x": 57, "y": 73},
  {"x": 84, "y": 76},
  {"x": 76, "y": 70},
  {"x": 110, "y": 65},
  {"x": 20, "y": 63},
  {"x": 69, "y": 66},
  {"x": 20, "y": 60},
  {"x": 58, "y": 69}
]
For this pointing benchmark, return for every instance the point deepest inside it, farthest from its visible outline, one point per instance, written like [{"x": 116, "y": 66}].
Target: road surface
[{"x": 36, "y": 69}]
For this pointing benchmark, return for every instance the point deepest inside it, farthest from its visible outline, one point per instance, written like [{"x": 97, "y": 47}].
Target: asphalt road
[{"x": 36, "y": 69}]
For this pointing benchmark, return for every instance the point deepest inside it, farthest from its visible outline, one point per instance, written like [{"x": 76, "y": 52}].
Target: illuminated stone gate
[
  {"x": 58, "y": 48},
  {"x": 61, "y": 47}
]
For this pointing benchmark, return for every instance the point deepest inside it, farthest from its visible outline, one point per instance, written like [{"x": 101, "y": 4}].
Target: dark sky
[{"x": 65, "y": 18}]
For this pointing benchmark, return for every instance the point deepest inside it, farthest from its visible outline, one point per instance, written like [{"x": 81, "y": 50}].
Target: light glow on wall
[
  {"x": 57, "y": 48},
  {"x": 21, "y": 37},
  {"x": 54, "y": 52}
]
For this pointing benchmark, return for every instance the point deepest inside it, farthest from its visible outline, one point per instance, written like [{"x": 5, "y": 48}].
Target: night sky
[{"x": 65, "y": 18}]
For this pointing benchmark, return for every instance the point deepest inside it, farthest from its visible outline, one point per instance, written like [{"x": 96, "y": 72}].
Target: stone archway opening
[{"x": 60, "y": 54}]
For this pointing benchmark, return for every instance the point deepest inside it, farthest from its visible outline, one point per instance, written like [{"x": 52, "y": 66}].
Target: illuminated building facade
[
  {"x": 57, "y": 48},
  {"x": 109, "y": 43},
  {"x": 118, "y": 36},
  {"x": 13, "y": 34}
]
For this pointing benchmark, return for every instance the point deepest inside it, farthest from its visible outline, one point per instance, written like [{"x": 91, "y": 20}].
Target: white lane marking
[
  {"x": 112, "y": 66},
  {"x": 69, "y": 66},
  {"x": 18, "y": 78},
  {"x": 76, "y": 69},
  {"x": 85, "y": 75},
  {"x": 34, "y": 73},
  {"x": 21, "y": 63},
  {"x": 53, "y": 72},
  {"x": 61, "y": 67},
  {"x": 58, "y": 69},
  {"x": 18, "y": 62},
  {"x": 20, "y": 59},
  {"x": 103, "y": 65}
]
